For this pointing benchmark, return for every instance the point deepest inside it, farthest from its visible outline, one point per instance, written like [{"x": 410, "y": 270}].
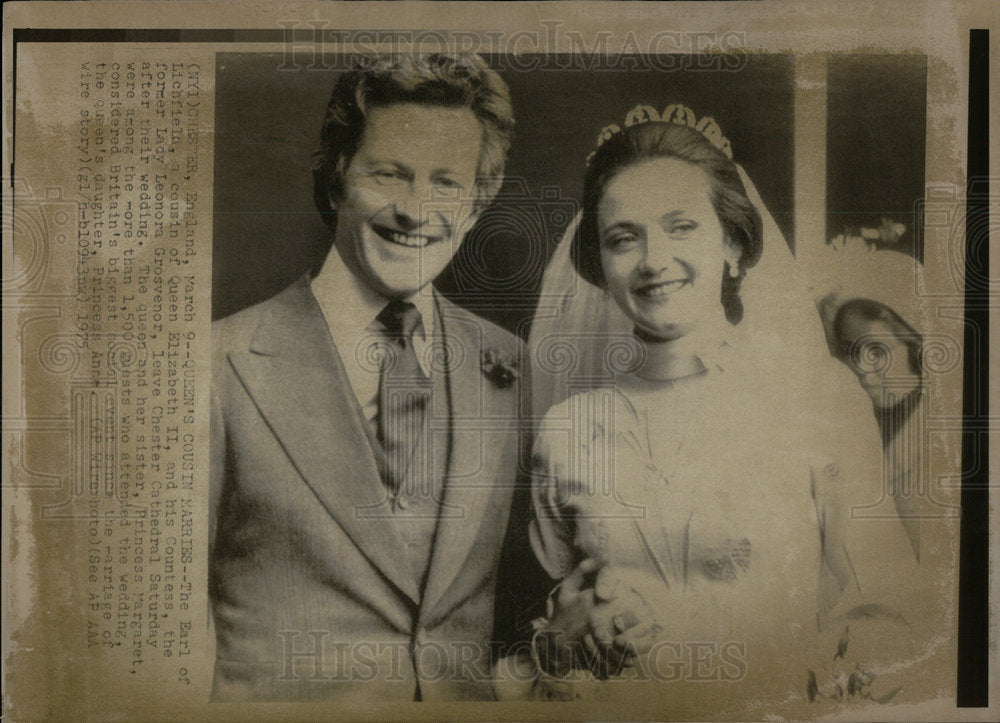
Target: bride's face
[{"x": 662, "y": 248}]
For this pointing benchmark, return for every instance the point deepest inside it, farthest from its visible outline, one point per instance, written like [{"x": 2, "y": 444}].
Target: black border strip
[{"x": 973, "y": 580}]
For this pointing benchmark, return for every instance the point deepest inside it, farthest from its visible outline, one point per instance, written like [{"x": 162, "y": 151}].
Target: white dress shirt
[{"x": 350, "y": 307}]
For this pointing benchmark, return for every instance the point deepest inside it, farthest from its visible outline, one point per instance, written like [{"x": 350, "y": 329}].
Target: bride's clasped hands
[{"x": 601, "y": 619}]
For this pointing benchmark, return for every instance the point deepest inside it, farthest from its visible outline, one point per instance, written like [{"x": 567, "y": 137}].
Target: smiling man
[{"x": 365, "y": 430}]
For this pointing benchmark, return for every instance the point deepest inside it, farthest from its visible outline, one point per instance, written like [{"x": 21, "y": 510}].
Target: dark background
[
  {"x": 876, "y": 130},
  {"x": 267, "y": 231}
]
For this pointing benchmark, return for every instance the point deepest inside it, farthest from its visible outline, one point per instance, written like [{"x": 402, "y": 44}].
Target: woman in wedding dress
[
  {"x": 875, "y": 320},
  {"x": 694, "y": 498}
]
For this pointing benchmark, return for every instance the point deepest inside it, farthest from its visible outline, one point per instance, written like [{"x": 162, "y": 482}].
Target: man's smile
[{"x": 402, "y": 238}]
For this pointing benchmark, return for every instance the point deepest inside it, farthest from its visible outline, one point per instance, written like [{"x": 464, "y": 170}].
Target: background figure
[{"x": 874, "y": 318}]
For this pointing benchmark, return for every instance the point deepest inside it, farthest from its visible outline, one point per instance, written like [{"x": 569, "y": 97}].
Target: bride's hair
[{"x": 738, "y": 217}]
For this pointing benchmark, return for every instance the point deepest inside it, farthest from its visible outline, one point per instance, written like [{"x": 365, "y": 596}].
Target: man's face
[{"x": 408, "y": 195}]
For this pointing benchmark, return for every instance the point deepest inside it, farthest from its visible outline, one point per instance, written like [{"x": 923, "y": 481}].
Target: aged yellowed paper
[{"x": 370, "y": 360}]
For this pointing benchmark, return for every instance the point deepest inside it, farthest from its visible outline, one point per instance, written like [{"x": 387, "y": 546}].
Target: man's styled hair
[{"x": 461, "y": 80}]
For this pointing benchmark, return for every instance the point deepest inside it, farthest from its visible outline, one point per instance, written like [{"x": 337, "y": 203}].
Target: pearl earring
[{"x": 734, "y": 269}]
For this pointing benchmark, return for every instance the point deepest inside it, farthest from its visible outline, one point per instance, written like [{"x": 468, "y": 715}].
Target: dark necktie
[{"x": 403, "y": 392}]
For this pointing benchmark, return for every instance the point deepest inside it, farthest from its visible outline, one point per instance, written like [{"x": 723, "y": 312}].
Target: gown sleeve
[{"x": 551, "y": 531}]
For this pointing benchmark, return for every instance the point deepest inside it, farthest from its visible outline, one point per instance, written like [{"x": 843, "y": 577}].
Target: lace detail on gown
[{"x": 731, "y": 565}]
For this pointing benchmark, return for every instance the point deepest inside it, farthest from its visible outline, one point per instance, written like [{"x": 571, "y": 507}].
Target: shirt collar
[{"x": 350, "y": 305}]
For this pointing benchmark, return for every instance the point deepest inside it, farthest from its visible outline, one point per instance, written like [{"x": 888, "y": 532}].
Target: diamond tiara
[{"x": 674, "y": 113}]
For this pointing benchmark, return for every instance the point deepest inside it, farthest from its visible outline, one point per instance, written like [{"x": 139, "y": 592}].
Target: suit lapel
[
  {"x": 475, "y": 450},
  {"x": 297, "y": 380}
]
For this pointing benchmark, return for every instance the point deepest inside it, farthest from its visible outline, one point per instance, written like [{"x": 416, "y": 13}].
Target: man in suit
[{"x": 365, "y": 429}]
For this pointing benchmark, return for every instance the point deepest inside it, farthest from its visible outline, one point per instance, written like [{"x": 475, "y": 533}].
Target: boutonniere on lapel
[{"x": 499, "y": 367}]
